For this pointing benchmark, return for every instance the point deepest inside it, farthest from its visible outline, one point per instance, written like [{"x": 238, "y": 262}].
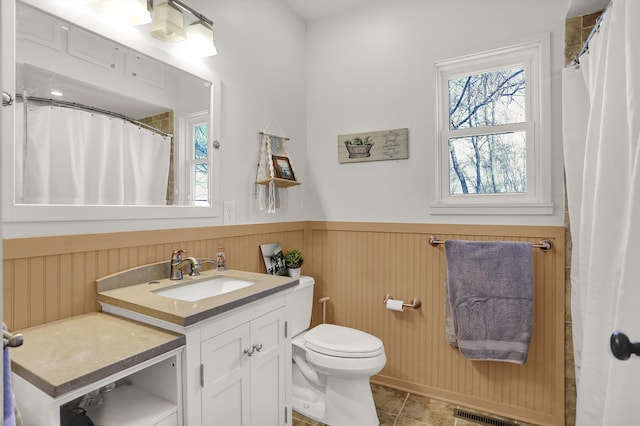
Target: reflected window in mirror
[{"x": 198, "y": 170}]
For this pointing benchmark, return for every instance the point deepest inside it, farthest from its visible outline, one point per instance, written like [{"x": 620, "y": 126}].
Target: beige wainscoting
[
  {"x": 51, "y": 278},
  {"x": 355, "y": 264}
]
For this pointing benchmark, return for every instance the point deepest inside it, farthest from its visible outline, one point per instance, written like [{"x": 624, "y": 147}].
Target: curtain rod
[
  {"x": 594, "y": 31},
  {"x": 75, "y": 105},
  {"x": 544, "y": 245}
]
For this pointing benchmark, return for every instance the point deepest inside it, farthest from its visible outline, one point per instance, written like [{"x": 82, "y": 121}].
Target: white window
[
  {"x": 493, "y": 138},
  {"x": 197, "y": 164}
]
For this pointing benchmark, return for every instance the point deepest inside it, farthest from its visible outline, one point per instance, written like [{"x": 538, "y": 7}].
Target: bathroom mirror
[{"x": 99, "y": 123}]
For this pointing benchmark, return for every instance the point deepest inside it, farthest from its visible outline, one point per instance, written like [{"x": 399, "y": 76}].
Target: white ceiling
[{"x": 315, "y": 9}]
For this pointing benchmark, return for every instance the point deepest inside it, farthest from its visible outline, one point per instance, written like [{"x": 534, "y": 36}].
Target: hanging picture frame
[{"x": 282, "y": 167}]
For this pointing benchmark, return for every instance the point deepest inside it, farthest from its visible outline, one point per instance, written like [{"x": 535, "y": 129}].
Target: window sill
[{"x": 492, "y": 208}]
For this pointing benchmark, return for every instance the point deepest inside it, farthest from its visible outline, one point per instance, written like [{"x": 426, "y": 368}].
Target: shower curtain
[
  {"x": 76, "y": 157},
  {"x": 601, "y": 133}
]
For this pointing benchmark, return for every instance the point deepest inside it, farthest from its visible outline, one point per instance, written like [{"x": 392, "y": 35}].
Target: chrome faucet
[{"x": 178, "y": 265}]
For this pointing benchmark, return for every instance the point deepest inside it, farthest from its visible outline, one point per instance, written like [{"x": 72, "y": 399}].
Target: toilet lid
[{"x": 345, "y": 342}]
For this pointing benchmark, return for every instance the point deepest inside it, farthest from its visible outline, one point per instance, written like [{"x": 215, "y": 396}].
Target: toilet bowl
[{"x": 331, "y": 367}]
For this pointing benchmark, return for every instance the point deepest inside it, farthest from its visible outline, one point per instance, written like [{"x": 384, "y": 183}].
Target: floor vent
[{"x": 482, "y": 418}]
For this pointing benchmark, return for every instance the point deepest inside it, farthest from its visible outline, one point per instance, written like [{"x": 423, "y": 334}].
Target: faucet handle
[{"x": 176, "y": 256}]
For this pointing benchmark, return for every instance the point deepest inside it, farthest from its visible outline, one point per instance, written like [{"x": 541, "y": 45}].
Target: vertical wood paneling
[
  {"x": 36, "y": 290},
  {"x": 356, "y": 268},
  {"x": 59, "y": 281},
  {"x": 21, "y": 304},
  {"x": 356, "y": 265},
  {"x": 51, "y": 291}
]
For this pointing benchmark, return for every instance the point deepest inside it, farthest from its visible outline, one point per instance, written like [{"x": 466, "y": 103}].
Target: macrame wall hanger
[{"x": 270, "y": 144}]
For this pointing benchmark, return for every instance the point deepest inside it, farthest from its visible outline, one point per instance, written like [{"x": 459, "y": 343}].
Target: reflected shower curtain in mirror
[{"x": 72, "y": 156}]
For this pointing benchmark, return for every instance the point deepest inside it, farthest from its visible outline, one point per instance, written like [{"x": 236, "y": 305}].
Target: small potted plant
[
  {"x": 359, "y": 147},
  {"x": 293, "y": 260}
]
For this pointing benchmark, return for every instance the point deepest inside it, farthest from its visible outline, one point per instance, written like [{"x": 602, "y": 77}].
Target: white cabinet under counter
[
  {"x": 133, "y": 370},
  {"x": 237, "y": 345}
]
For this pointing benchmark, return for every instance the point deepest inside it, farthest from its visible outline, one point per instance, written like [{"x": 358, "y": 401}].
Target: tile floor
[{"x": 399, "y": 408}]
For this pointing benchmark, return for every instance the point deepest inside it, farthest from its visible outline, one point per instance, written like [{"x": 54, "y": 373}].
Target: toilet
[{"x": 331, "y": 366}]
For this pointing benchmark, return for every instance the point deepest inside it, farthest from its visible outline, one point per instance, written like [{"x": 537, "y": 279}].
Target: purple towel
[
  {"x": 9, "y": 413},
  {"x": 489, "y": 299}
]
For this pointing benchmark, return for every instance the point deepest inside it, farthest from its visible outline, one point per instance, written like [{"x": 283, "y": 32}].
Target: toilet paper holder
[{"x": 415, "y": 302}]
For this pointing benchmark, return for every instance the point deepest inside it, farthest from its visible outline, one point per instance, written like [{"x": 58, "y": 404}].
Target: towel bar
[
  {"x": 544, "y": 245},
  {"x": 415, "y": 302}
]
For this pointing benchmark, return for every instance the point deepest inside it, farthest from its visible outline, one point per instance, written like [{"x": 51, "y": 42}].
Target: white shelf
[
  {"x": 128, "y": 405},
  {"x": 281, "y": 183}
]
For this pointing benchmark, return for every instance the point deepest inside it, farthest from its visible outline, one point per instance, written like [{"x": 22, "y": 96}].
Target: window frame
[
  {"x": 185, "y": 166},
  {"x": 533, "y": 55}
]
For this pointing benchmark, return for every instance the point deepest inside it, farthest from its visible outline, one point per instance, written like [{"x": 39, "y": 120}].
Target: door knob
[{"x": 621, "y": 347}]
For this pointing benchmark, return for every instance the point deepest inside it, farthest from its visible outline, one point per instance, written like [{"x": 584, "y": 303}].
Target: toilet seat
[{"x": 342, "y": 342}]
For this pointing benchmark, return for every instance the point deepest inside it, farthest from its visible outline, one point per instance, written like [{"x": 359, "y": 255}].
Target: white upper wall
[
  {"x": 374, "y": 69},
  {"x": 368, "y": 68},
  {"x": 261, "y": 62}
]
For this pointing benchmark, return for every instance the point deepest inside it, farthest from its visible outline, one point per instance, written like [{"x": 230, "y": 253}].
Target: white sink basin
[{"x": 203, "y": 289}]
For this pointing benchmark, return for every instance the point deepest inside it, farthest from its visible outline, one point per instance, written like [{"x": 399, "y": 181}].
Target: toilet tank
[{"x": 302, "y": 303}]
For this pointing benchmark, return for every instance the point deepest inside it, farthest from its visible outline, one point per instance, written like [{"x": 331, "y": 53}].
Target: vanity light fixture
[
  {"x": 199, "y": 33},
  {"x": 168, "y": 23}
]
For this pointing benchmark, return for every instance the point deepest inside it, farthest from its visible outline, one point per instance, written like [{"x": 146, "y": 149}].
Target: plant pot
[
  {"x": 294, "y": 272},
  {"x": 359, "y": 151}
]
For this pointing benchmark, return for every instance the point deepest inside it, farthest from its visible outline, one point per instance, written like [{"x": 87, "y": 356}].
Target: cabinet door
[
  {"x": 225, "y": 392},
  {"x": 268, "y": 369},
  {"x": 146, "y": 70},
  {"x": 40, "y": 28},
  {"x": 95, "y": 49}
]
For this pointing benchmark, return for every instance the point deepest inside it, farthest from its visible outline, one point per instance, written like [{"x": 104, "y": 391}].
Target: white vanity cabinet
[
  {"x": 234, "y": 364},
  {"x": 242, "y": 384},
  {"x": 236, "y": 359},
  {"x": 131, "y": 372}
]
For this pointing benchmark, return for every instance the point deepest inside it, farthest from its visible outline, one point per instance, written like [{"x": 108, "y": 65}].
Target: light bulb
[{"x": 200, "y": 40}]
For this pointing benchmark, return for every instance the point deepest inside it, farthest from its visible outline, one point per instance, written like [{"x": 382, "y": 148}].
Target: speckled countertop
[
  {"x": 141, "y": 298},
  {"x": 64, "y": 355}
]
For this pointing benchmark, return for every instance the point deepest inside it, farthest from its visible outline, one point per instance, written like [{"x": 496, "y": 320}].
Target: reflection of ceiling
[
  {"x": 39, "y": 83},
  {"x": 583, "y": 7}
]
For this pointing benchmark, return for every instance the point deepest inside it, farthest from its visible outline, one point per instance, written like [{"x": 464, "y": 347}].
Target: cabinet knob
[
  {"x": 258, "y": 347},
  {"x": 250, "y": 352}
]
